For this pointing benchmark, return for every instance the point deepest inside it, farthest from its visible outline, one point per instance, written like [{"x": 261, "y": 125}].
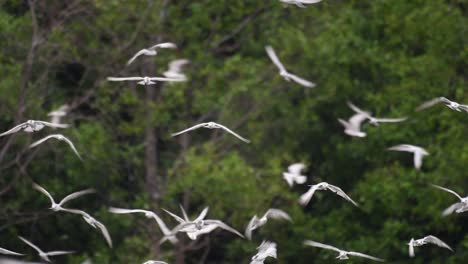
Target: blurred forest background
[{"x": 385, "y": 56}]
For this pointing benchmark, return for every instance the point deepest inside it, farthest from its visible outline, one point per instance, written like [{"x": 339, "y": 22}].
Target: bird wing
[
  {"x": 76, "y": 211},
  {"x": 288, "y": 177},
  {"x": 234, "y": 134},
  {"x": 430, "y": 103},
  {"x": 165, "y": 45},
  {"x": 52, "y": 124},
  {"x": 76, "y": 195},
  {"x": 310, "y": 1},
  {"x": 104, "y": 232},
  {"x": 357, "y": 109},
  {"x": 417, "y": 159},
  {"x": 119, "y": 79},
  {"x": 277, "y": 214},
  {"x": 188, "y": 129},
  {"x": 40, "y": 141},
  {"x": 341, "y": 193},
  {"x": 176, "y": 217},
  {"x": 57, "y": 253},
  {"x": 447, "y": 190},
  {"x": 30, "y": 244},
  {"x": 176, "y": 65},
  {"x": 9, "y": 252},
  {"x": 320, "y": 245},
  {"x": 452, "y": 208},
  {"x": 164, "y": 79},
  {"x": 402, "y": 147},
  {"x": 154, "y": 262},
  {"x": 464, "y": 107},
  {"x": 411, "y": 248},
  {"x": 223, "y": 226},
  {"x": 437, "y": 241},
  {"x": 301, "y": 81},
  {"x": 72, "y": 147},
  {"x": 272, "y": 54},
  {"x": 138, "y": 54},
  {"x": 248, "y": 229},
  {"x": 13, "y": 130},
  {"x": 305, "y": 198},
  {"x": 44, "y": 191},
  {"x": 184, "y": 214},
  {"x": 202, "y": 214},
  {"x": 362, "y": 255},
  {"x": 356, "y": 120},
  {"x": 116, "y": 210},
  {"x": 296, "y": 168},
  {"x": 391, "y": 120}
]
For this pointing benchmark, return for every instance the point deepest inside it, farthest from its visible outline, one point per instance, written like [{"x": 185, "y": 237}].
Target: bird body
[
  {"x": 307, "y": 196},
  {"x": 211, "y": 125},
  {"x": 293, "y": 175},
  {"x": 426, "y": 240},
  {"x": 265, "y": 250},
  {"x": 418, "y": 153},
  {"x": 459, "y": 207},
  {"x": 353, "y": 125}
]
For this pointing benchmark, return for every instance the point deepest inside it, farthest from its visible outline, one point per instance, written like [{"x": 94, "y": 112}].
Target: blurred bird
[
  {"x": 144, "y": 80},
  {"x": 45, "y": 255},
  {"x": 154, "y": 262},
  {"x": 211, "y": 125},
  {"x": 59, "y": 137},
  {"x": 353, "y": 125},
  {"x": 450, "y": 104},
  {"x": 58, "y": 206},
  {"x": 257, "y": 222},
  {"x": 175, "y": 69},
  {"x": 459, "y": 207},
  {"x": 374, "y": 120},
  {"x": 150, "y": 215},
  {"x": 92, "y": 222},
  {"x": 283, "y": 72},
  {"x": 266, "y": 249},
  {"x": 300, "y": 3},
  {"x": 31, "y": 126},
  {"x": 418, "y": 153},
  {"x": 152, "y": 51},
  {"x": 9, "y": 252},
  {"x": 426, "y": 240},
  {"x": 293, "y": 175},
  {"x": 305, "y": 198},
  {"x": 342, "y": 254},
  {"x": 56, "y": 115}
]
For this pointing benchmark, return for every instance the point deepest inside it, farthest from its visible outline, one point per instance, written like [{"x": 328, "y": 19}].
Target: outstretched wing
[
  {"x": 76, "y": 195},
  {"x": 296, "y": 168},
  {"x": 72, "y": 147},
  {"x": 223, "y": 226},
  {"x": 202, "y": 214},
  {"x": 357, "y": 254},
  {"x": 277, "y": 214},
  {"x": 320, "y": 245},
  {"x": 341, "y": 193},
  {"x": 120, "y": 79},
  {"x": 188, "y": 129},
  {"x": 176, "y": 217},
  {"x": 138, "y": 54},
  {"x": 431, "y": 103},
  {"x": 57, "y": 253},
  {"x": 116, "y": 210},
  {"x": 437, "y": 241},
  {"x": 165, "y": 45},
  {"x": 13, "y": 130},
  {"x": 44, "y": 191},
  {"x": 52, "y": 124},
  {"x": 234, "y": 134},
  {"x": 104, "y": 232},
  {"x": 357, "y": 109},
  {"x": 272, "y": 54},
  {"x": 305, "y": 198},
  {"x": 454, "y": 207},
  {"x": 301, "y": 81},
  {"x": 40, "y": 141},
  {"x": 447, "y": 190},
  {"x": 249, "y": 228},
  {"x": 30, "y": 244},
  {"x": 9, "y": 252},
  {"x": 391, "y": 120}
]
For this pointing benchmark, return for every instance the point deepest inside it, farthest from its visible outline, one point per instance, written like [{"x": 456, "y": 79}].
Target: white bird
[
  {"x": 450, "y": 104},
  {"x": 16, "y": 261},
  {"x": 353, "y": 125},
  {"x": 175, "y": 69},
  {"x": 152, "y": 51},
  {"x": 300, "y": 3},
  {"x": 164, "y": 229},
  {"x": 374, "y": 120},
  {"x": 211, "y": 125},
  {"x": 144, "y": 80},
  {"x": 265, "y": 250},
  {"x": 57, "y": 114},
  {"x": 58, "y": 206},
  {"x": 293, "y": 175},
  {"x": 199, "y": 226},
  {"x": 305, "y": 198},
  {"x": 257, "y": 222},
  {"x": 59, "y": 137},
  {"x": 32, "y": 126},
  {"x": 154, "y": 262},
  {"x": 45, "y": 255},
  {"x": 426, "y": 240},
  {"x": 283, "y": 72},
  {"x": 9, "y": 252},
  {"x": 342, "y": 254},
  {"x": 92, "y": 222},
  {"x": 418, "y": 153},
  {"x": 459, "y": 207}
]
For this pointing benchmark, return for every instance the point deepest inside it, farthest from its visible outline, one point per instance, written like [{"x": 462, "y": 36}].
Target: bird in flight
[
  {"x": 426, "y": 240},
  {"x": 58, "y": 114},
  {"x": 374, "y": 120},
  {"x": 45, "y": 255},
  {"x": 32, "y": 126},
  {"x": 300, "y": 3},
  {"x": 59, "y": 137},
  {"x": 459, "y": 207},
  {"x": 450, "y": 104},
  {"x": 144, "y": 80},
  {"x": 164, "y": 229},
  {"x": 152, "y": 51},
  {"x": 418, "y": 153},
  {"x": 293, "y": 175},
  {"x": 342, "y": 254},
  {"x": 211, "y": 125},
  {"x": 305, "y": 198},
  {"x": 265, "y": 250},
  {"x": 257, "y": 222},
  {"x": 283, "y": 72},
  {"x": 154, "y": 262},
  {"x": 175, "y": 69},
  {"x": 58, "y": 206},
  {"x": 353, "y": 125}
]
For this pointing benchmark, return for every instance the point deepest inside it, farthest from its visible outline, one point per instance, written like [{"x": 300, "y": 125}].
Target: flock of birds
[{"x": 199, "y": 226}]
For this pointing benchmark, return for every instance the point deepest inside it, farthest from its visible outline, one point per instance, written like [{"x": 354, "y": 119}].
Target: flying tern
[
  {"x": 426, "y": 240},
  {"x": 265, "y": 250},
  {"x": 305, "y": 198},
  {"x": 300, "y": 3},
  {"x": 418, "y": 153},
  {"x": 32, "y": 126},
  {"x": 211, "y": 125},
  {"x": 144, "y": 80},
  {"x": 58, "y": 206},
  {"x": 175, "y": 69},
  {"x": 450, "y": 104},
  {"x": 59, "y": 137},
  {"x": 375, "y": 120},
  {"x": 58, "y": 114},
  {"x": 459, "y": 207},
  {"x": 45, "y": 255},
  {"x": 293, "y": 175},
  {"x": 257, "y": 222},
  {"x": 342, "y": 254}
]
